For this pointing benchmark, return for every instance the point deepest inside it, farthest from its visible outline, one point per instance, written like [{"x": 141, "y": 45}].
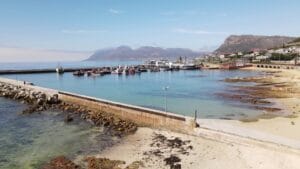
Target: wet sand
[
  {"x": 213, "y": 152},
  {"x": 288, "y": 126}
]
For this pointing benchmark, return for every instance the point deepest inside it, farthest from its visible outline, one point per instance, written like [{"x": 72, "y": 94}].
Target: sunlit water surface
[
  {"x": 187, "y": 91},
  {"x": 28, "y": 141}
]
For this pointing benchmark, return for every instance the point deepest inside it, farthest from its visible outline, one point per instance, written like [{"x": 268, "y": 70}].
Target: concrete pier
[{"x": 31, "y": 71}]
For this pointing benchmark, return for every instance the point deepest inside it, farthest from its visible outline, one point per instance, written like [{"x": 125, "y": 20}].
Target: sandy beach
[
  {"x": 283, "y": 126},
  {"x": 265, "y": 143},
  {"x": 205, "y": 153}
]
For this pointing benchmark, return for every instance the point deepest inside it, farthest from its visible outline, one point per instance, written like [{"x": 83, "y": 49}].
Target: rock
[
  {"x": 53, "y": 99},
  {"x": 102, "y": 163},
  {"x": 61, "y": 162},
  {"x": 173, "y": 161},
  {"x": 68, "y": 118},
  {"x": 40, "y": 101}
]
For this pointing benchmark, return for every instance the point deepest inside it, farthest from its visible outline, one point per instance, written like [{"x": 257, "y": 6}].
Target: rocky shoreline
[
  {"x": 260, "y": 96},
  {"x": 38, "y": 101}
]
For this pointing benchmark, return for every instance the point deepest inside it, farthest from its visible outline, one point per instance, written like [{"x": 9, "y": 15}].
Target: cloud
[
  {"x": 114, "y": 11},
  {"x": 81, "y": 31},
  {"x": 15, "y": 54},
  {"x": 198, "y": 32}
]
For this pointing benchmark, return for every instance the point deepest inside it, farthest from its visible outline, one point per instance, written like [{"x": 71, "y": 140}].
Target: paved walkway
[{"x": 223, "y": 126}]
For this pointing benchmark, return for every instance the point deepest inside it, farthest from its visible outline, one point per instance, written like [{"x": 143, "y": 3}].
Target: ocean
[{"x": 188, "y": 91}]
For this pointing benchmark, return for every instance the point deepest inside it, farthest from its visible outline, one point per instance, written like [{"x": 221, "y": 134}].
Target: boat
[
  {"x": 96, "y": 74},
  {"x": 125, "y": 71},
  {"x": 105, "y": 71},
  {"x": 59, "y": 70},
  {"x": 143, "y": 70},
  {"x": 78, "y": 73},
  {"x": 188, "y": 67},
  {"x": 229, "y": 66},
  {"x": 118, "y": 71},
  {"x": 154, "y": 69},
  {"x": 165, "y": 68},
  {"x": 89, "y": 73},
  {"x": 176, "y": 68}
]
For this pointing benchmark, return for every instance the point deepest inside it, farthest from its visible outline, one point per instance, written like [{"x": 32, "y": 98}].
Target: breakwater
[
  {"x": 117, "y": 116},
  {"x": 47, "y": 99},
  {"x": 31, "y": 71}
]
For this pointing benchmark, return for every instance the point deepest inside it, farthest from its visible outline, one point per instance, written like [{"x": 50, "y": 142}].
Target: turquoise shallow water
[
  {"x": 188, "y": 90},
  {"x": 27, "y": 141}
]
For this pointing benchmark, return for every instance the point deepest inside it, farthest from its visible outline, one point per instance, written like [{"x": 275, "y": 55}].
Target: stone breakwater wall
[
  {"x": 38, "y": 98},
  {"x": 101, "y": 112},
  {"x": 140, "y": 115}
]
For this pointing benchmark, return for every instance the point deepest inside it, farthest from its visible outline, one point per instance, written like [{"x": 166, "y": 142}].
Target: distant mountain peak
[
  {"x": 142, "y": 53},
  {"x": 246, "y": 43}
]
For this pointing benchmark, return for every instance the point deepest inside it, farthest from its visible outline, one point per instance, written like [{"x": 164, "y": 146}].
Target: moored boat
[
  {"x": 59, "y": 70},
  {"x": 78, "y": 73},
  {"x": 188, "y": 67}
]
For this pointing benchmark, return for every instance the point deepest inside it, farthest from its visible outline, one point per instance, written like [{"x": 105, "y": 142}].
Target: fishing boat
[
  {"x": 154, "y": 69},
  {"x": 188, "y": 67},
  {"x": 143, "y": 70},
  {"x": 229, "y": 66},
  {"x": 59, "y": 69},
  {"x": 78, "y": 73},
  {"x": 131, "y": 71},
  {"x": 117, "y": 71}
]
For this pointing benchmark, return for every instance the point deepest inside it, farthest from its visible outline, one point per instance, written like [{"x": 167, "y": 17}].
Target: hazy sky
[{"x": 78, "y": 25}]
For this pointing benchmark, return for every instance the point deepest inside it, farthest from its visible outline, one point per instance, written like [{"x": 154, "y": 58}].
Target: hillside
[
  {"x": 246, "y": 43},
  {"x": 295, "y": 42},
  {"x": 142, "y": 53}
]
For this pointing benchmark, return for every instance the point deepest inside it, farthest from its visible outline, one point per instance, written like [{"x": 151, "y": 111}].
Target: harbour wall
[
  {"x": 275, "y": 66},
  {"x": 140, "y": 115},
  {"x": 33, "y": 71}
]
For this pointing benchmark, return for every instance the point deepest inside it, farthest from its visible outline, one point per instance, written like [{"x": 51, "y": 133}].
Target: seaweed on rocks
[
  {"x": 173, "y": 162},
  {"x": 103, "y": 163},
  {"x": 169, "y": 150},
  {"x": 61, "y": 162},
  {"x": 38, "y": 101}
]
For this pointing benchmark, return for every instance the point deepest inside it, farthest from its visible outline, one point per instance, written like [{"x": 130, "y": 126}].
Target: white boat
[
  {"x": 188, "y": 67},
  {"x": 117, "y": 71},
  {"x": 59, "y": 70}
]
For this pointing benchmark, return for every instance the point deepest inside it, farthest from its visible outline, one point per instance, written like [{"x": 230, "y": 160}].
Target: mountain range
[
  {"x": 232, "y": 44},
  {"x": 247, "y": 43},
  {"x": 142, "y": 53}
]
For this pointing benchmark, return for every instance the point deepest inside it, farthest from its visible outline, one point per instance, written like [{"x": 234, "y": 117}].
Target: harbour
[
  {"x": 149, "y": 92},
  {"x": 149, "y": 84}
]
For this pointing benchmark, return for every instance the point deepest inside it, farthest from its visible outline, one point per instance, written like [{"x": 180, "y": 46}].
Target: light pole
[{"x": 165, "y": 90}]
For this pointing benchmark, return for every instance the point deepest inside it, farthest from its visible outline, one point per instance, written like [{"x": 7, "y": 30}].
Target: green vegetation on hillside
[
  {"x": 283, "y": 57},
  {"x": 296, "y": 40}
]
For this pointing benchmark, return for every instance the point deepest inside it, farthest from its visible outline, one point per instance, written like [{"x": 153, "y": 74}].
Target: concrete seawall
[
  {"x": 33, "y": 71},
  {"x": 140, "y": 115}
]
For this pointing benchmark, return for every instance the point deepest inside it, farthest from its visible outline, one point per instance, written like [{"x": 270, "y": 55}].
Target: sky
[{"x": 76, "y": 28}]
